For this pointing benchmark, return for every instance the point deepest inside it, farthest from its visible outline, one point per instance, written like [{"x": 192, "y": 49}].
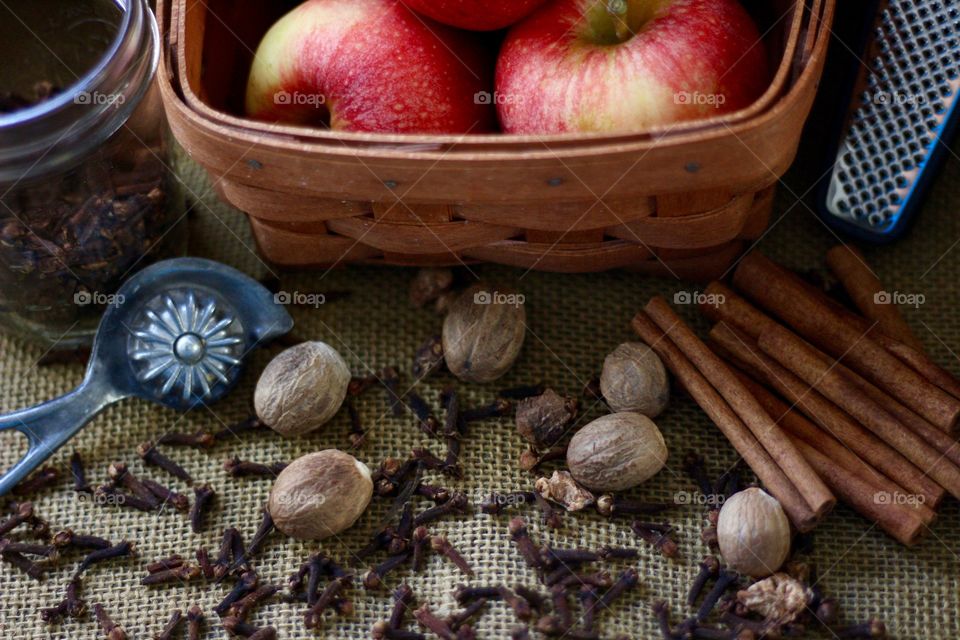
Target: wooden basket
[{"x": 676, "y": 201}]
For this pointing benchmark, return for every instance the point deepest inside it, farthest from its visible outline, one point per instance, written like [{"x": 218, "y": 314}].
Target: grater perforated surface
[{"x": 903, "y": 101}]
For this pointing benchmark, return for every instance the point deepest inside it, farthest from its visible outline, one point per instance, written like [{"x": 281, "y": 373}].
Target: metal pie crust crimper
[{"x": 177, "y": 334}]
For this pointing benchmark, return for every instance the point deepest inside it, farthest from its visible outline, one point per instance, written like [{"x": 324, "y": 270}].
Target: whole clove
[
  {"x": 151, "y": 456},
  {"x": 23, "y": 514},
  {"x": 403, "y": 599},
  {"x": 521, "y": 608},
  {"x": 121, "y": 476},
  {"x": 173, "y": 625},
  {"x": 358, "y": 435},
  {"x": 171, "y": 562},
  {"x": 256, "y": 542},
  {"x": 403, "y": 532},
  {"x": 496, "y": 409},
  {"x": 359, "y": 386},
  {"x": 495, "y": 503},
  {"x": 237, "y": 468},
  {"x": 40, "y": 480},
  {"x": 452, "y": 434},
  {"x": 225, "y": 556},
  {"x": 203, "y": 561},
  {"x": 79, "y": 474},
  {"x": 111, "y": 629},
  {"x": 109, "y": 495},
  {"x": 725, "y": 580},
  {"x": 244, "y": 606},
  {"x": 166, "y": 495},
  {"x": 183, "y": 573},
  {"x": 24, "y": 564},
  {"x": 382, "y": 631},
  {"x": 658, "y": 536},
  {"x": 439, "y": 495},
  {"x": 420, "y": 542},
  {"x": 457, "y": 503},
  {"x": 709, "y": 567},
  {"x": 253, "y": 423},
  {"x": 314, "y": 614},
  {"x": 67, "y": 539},
  {"x": 624, "y": 582},
  {"x": 203, "y": 498},
  {"x": 611, "y": 505},
  {"x": 459, "y": 619},
  {"x": 198, "y": 440},
  {"x": 426, "y": 421},
  {"x": 390, "y": 379},
  {"x": 441, "y": 545},
  {"x": 551, "y": 516},
  {"x": 48, "y": 551},
  {"x": 438, "y": 626},
  {"x": 194, "y": 622},
  {"x": 617, "y": 553},
  {"x": 526, "y": 547},
  {"x": 373, "y": 579},
  {"x": 553, "y": 556},
  {"x": 121, "y": 550},
  {"x": 246, "y": 583},
  {"x": 428, "y": 358}
]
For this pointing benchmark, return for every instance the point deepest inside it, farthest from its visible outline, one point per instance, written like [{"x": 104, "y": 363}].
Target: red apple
[
  {"x": 627, "y": 65},
  {"x": 370, "y": 65},
  {"x": 475, "y": 15}
]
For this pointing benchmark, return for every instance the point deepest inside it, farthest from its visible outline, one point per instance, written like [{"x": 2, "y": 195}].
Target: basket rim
[{"x": 492, "y": 145}]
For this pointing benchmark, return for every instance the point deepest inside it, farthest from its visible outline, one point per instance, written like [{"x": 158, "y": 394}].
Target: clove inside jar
[{"x": 87, "y": 197}]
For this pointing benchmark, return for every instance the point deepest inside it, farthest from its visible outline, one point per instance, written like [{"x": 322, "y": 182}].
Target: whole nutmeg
[
  {"x": 616, "y": 452},
  {"x": 320, "y": 495},
  {"x": 302, "y": 388},
  {"x": 753, "y": 533},
  {"x": 634, "y": 379},
  {"x": 483, "y": 333}
]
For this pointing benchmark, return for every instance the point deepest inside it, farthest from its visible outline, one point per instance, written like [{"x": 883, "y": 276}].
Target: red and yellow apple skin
[
  {"x": 571, "y": 67},
  {"x": 475, "y": 15},
  {"x": 370, "y": 65}
]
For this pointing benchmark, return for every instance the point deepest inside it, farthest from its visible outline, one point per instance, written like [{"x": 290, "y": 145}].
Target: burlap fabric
[{"x": 574, "y": 320}]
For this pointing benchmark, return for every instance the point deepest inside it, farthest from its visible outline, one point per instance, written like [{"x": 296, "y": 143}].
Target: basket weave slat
[{"x": 685, "y": 195}]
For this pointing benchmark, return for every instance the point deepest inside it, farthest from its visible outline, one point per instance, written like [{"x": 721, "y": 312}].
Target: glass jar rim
[{"x": 35, "y": 140}]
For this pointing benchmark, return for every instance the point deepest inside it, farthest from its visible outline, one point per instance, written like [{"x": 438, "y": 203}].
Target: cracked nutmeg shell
[
  {"x": 634, "y": 379},
  {"x": 301, "y": 389},
  {"x": 483, "y": 332},
  {"x": 753, "y": 533},
  {"x": 616, "y": 452},
  {"x": 320, "y": 495}
]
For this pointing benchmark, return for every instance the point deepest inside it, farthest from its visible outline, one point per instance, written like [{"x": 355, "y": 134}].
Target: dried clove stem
[
  {"x": 253, "y": 423},
  {"x": 374, "y": 577},
  {"x": 442, "y": 545},
  {"x": 23, "y": 514},
  {"x": 457, "y": 503},
  {"x": 358, "y": 435},
  {"x": 111, "y": 629},
  {"x": 120, "y": 550},
  {"x": 107, "y": 494},
  {"x": 403, "y": 599},
  {"x": 203, "y": 498},
  {"x": 183, "y": 573},
  {"x": 194, "y": 622},
  {"x": 452, "y": 433},
  {"x": 42, "y": 479},
  {"x": 67, "y": 539},
  {"x": 611, "y": 505},
  {"x": 121, "y": 476},
  {"x": 657, "y": 536},
  {"x": 173, "y": 625},
  {"x": 246, "y": 583},
  {"x": 237, "y": 468},
  {"x": 79, "y": 474},
  {"x": 495, "y": 503},
  {"x": 434, "y": 624},
  {"x": 151, "y": 456},
  {"x": 709, "y": 567},
  {"x": 198, "y": 440},
  {"x": 725, "y": 580},
  {"x": 426, "y": 421},
  {"x": 522, "y": 392},
  {"x": 526, "y": 547},
  {"x": 166, "y": 495}
]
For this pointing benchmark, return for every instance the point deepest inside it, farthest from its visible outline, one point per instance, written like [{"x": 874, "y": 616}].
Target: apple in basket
[
  {"x": 371, "y": 65},
  {"x": 476, "y": 15},
  {"x": 627, "y": 65}
]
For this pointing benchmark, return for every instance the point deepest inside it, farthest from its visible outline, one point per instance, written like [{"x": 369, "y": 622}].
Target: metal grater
[{"x": 899, "y": 120}]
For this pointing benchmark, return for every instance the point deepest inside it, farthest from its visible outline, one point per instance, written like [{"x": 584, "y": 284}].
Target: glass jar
[{"x": 87, "y": 197}]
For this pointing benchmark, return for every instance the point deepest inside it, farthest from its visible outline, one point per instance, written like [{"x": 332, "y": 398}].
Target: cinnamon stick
[
  {"x": 836, "y": 454},
  {"x": 742, "y": 439},
  {"x": 939, "y": 440},
  {"x": 743, "y": 350},
  {"x": 797, "y": 356},
  {"x": 867, "y": 292},
  {"x": 783, "y": 294},
  {"x": 719, "y": 375}
]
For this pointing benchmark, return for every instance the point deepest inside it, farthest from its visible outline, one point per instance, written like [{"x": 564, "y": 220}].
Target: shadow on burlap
[{"x": 574, "y": 320}]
